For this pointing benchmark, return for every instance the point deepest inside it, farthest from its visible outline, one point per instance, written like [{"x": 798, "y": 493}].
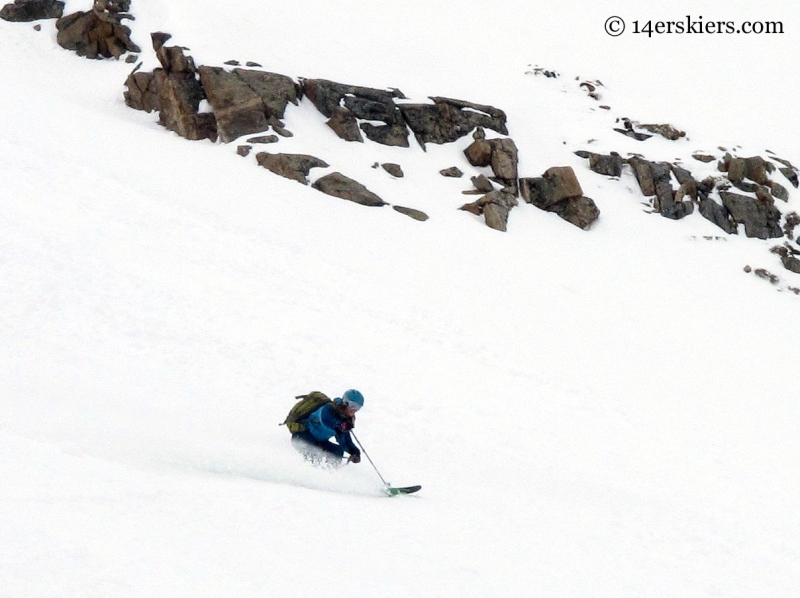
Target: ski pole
[{"x": 366, "y": 454}]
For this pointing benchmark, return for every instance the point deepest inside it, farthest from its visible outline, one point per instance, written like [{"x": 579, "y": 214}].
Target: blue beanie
[{"x": 353, "y": 396}]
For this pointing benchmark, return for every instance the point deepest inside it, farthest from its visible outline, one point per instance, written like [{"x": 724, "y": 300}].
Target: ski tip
[{"x": 392, "y": 491}]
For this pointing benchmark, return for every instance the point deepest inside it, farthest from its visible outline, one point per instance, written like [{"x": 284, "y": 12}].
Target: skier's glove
[
  {"x": 354, "y": 458},
  {"x": 344, "y": 426}
]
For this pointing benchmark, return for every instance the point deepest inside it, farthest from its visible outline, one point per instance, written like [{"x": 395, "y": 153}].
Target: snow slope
[{"x": 602, "y": 413}]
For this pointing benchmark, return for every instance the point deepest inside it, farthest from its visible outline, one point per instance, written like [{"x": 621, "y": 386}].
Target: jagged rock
[
  {"x": 243, "y": 150},
  {"x": 453, "y": 172},
  {"x": 788, "y": 170},
  {"x": 565, "y": 183},
  {"x": 479, "y": 153},
  {"x": 482, "y": 184},
  {"x": 760, "y": 218},
  {"x": 447, "y": 120},
  {"x": 179, "y": 97},
  {"x": 504, "y": 159},
  {"x": 683, "y": 175},
  {"x": 175, "y": 92},
  {"x": 718, "y": 214},
  {"x": 667, "y": 131},
  {"x": 411, "y": 212},
  {"x": 95, "y": 34},
  {"x": 276, "y": 92},
  {"x": 246, "y": 101},
  {"x": 580, "y": 211},
  {"x": 142, "y": 91},
  {"x": 610, "y": 165},
  {"x": 237, "y": 108},
  {"x": 500, "y": 154},
  {"x": 338, "y": 185},
  {"x": 494, "y": 207},
  {"x": 174, "y": 60},
  {"x": 559, "y": 191},
  {"x": 655, "y": 179},
  {"x": 24, "y": 11},
  {"x": 395, "y": 135},
  {"x": 291, "y": 166},
  {"x": 363, "y": 103},
  {"x": 393, "y": 169},
  {"x": 665, "y": 197},
  {"x": 344, "y": 124},
  {"x": 158, "y": 39},
  {"x": 641, "y": 169}
]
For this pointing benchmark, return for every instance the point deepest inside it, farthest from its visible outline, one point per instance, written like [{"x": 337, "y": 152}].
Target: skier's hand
[
  {"x": 345, "y": 426},
  {"x": 354, "y": 458}
]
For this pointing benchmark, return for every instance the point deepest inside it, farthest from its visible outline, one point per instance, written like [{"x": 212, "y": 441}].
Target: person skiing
[{"x": 334, "y": 419}]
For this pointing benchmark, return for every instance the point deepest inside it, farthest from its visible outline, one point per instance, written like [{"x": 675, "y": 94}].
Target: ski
[{"x": 391, "y": 491}]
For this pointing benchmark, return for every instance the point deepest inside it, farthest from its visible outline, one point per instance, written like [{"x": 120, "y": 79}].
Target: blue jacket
[{"x": 324, "y": 423}]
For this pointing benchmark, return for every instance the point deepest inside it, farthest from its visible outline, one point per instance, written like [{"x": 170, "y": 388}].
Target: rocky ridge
[{"x": 225, "y": 103}]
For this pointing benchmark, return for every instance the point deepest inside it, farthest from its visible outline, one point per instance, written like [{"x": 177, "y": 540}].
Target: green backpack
[{"x": 305, "y": 406}]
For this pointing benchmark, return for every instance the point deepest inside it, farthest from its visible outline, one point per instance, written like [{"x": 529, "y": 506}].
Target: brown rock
[
  {"x": 338, "y": 185},
  {"x": 291, "y": 166}
]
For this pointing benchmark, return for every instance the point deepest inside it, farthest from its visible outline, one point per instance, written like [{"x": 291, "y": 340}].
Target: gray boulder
[
  {"x": 338, "y": 185},
  {"x": 21, "y": 11},
  {"x": 452, "y": 172},
  {"x": 718, "y": 214},
  {"x": 609, "y": 165},
  {"x": 761, "y": 218},
  {"x": 580, "y": 211}
]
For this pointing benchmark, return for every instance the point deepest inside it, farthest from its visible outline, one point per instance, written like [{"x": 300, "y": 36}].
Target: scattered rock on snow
[
  {"x": 338, "y": 185},
  {"x": 393, "y": 169},
  {"x": 412, "y": 213},
  {"x": 23, "y": 11}
]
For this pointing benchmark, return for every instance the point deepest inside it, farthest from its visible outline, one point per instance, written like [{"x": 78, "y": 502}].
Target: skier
[{"x": 333, "y": 419}]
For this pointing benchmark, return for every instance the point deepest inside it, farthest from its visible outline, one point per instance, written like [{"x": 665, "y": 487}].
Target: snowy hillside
[{"x": 608, "y": 413}]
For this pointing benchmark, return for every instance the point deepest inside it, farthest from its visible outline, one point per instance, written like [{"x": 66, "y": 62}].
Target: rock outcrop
[
  {"x": 345, "y": 105},
  {"x": 246, "y": 101},
  {"x": 447, "y": 120},
  {"x": 99, "y": 32}
]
